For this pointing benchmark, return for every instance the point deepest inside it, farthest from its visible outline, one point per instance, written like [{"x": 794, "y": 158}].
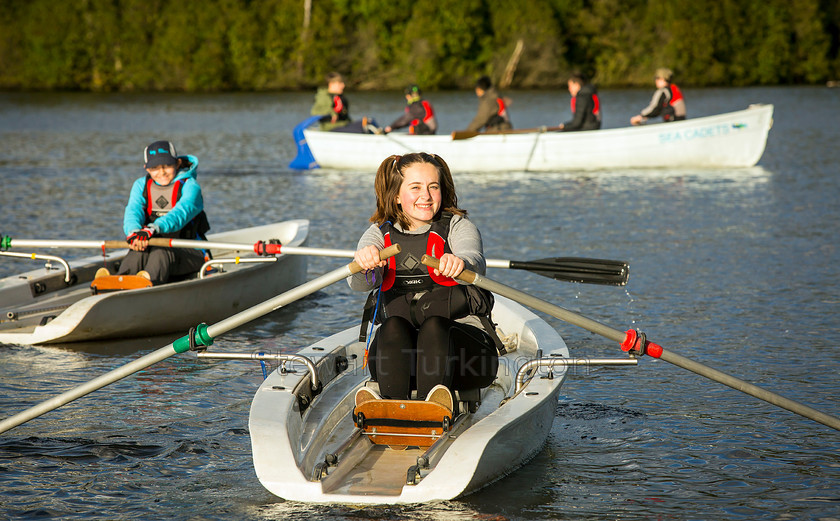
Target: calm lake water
[{"x": 737, "y": 269}]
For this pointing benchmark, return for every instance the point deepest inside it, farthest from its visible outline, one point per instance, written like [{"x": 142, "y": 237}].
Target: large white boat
[{"x": 734, "y": 139}]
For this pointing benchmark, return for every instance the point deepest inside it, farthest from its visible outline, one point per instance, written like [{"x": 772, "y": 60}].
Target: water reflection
[
  {"x": 435, "y": 511},
  {"x": 125, "y": 346}
]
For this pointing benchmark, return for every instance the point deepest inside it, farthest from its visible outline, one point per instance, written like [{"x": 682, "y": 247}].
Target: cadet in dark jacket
[
  {"x": 419, "y": 116},
  {"x": 586, "y": 107},
  {"x": 492, "y": 109}
]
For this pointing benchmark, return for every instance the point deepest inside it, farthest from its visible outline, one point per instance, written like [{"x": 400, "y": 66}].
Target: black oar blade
[{"x": 579, "y": 269}]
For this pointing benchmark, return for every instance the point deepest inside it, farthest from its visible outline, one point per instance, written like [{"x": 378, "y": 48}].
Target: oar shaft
[
  {"x": 614, "y": 271},
  {"x": 86, "y": 388},
  {"x": 214, "y": 330},
  {"x": 497, "y": 263},
  {"x": 167, "y": 351},
  {"x": 545, "y": 307},
  {"x": 666, "y": 355},
  {"x": 621, "y": 337},
  {"x": 243, "y": 317},
  {"x": 175, "y": 243},
  {"x": 271, "y": 248},
  {"x": 752, "y": 390},
  {"x": 45, "y": 243}
]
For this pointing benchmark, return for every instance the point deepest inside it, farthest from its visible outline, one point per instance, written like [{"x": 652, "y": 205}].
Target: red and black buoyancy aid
[
  {"x": 669, "y": 113},
  {"x": 404, "y": 273},
  {"x": 412, "y": 290},
  {"x": 160, "y": 200},
  {"x": 502, "y": 108},
  {"x": 341, "y": 107},
  {"x": 676, "y": 94},
  {"x": 501, "y": 117},
  {"x": 428, "y": 119},
  {"x": 596, "y": 105}
]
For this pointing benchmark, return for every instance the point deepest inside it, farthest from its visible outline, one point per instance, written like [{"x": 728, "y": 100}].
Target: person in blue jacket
[{"x": 166, "y": 203}]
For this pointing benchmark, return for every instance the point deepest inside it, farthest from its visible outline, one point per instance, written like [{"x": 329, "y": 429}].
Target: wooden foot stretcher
[
  {"x": 402, "y": 423},
  {"x": 104, "y": 282}
]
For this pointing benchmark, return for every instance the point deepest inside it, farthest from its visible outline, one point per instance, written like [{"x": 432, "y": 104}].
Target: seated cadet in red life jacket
[
  {"x": 493, "y": 111},
  {"x": 667, "y": 101},
  {"x": 165, "y": 203},
  {"x": 419, "y": 115},
  {"x": 434, "y": 333},
  {"x": 586, "y": 107},
  {"x": 334, "y": 109}
]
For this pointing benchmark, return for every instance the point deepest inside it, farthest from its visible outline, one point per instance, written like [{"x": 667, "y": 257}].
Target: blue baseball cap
[{"x": 160, "y": 153}]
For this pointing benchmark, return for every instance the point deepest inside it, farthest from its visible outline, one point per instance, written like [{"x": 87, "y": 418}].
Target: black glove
[{"x": 144, "y": 235}]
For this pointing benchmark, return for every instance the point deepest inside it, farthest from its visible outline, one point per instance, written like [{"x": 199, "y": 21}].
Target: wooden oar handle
[
  {"x": 432, "y": 262},
  {"x": 386, "y": 253},
  {"x": 154, "y": 241}
]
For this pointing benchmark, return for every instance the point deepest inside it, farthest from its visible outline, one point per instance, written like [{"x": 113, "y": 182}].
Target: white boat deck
[{"x": 380, "y": 473}]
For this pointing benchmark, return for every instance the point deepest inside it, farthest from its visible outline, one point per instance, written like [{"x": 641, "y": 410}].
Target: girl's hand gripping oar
[
  {"x": 199, "y": 337},
  {"x": 635, "y": 343}
]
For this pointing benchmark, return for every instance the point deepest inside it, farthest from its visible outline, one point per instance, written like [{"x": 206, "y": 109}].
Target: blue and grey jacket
[{"x": 189, "y": 204}]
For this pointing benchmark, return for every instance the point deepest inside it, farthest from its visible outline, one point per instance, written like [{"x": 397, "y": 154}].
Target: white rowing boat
[
  {"x": 57, "y": 305},
  {"x": 734, "y": 139},
  {"x": 306, "y": 447}
]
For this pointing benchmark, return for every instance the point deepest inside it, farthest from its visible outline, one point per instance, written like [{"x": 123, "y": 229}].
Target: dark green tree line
[{"x": 213, "y": 45}]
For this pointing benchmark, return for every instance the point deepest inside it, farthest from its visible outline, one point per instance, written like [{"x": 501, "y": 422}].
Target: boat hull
[
  {"x": 80, "y": 316},
  {"x": 290, "y": 437},
  {"x": 735, "y": 139}
]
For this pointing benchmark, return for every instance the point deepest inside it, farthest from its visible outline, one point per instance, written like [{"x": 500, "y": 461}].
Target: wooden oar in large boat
[
  {"x": 199, "y": 337},
  {"x": 569, "y": 269},
  {"x": 467, "y": 134},
  {"x": 636, "y": 344}
]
